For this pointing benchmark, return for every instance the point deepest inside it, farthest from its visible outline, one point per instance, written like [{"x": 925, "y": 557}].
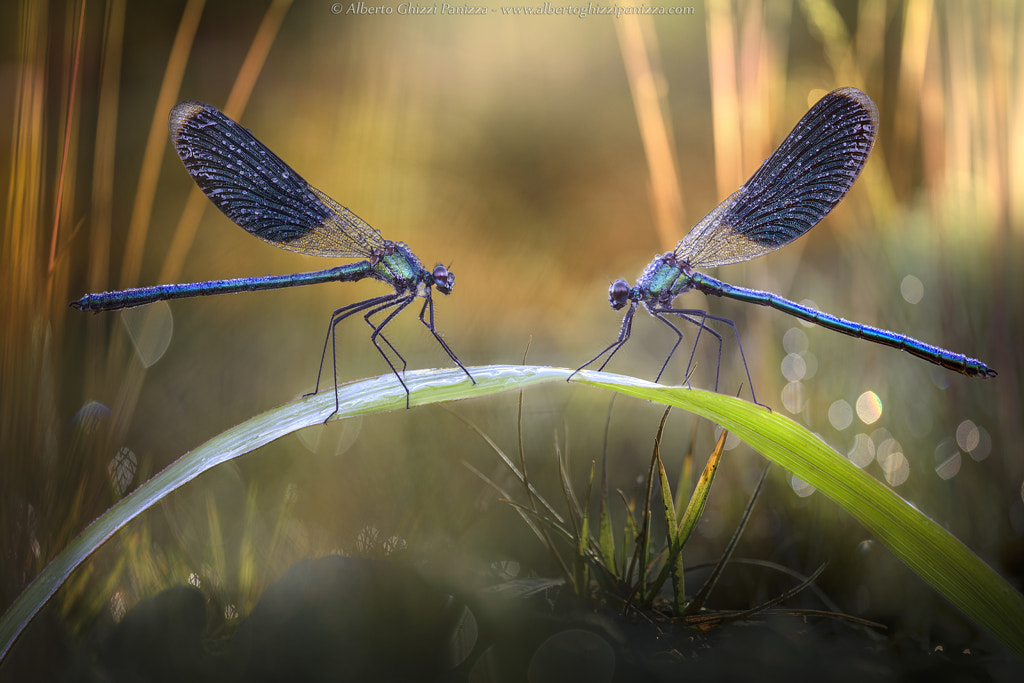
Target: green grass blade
[
  {"x": 933, "y": 553},
  {"x": 699, "y": 497},
  {"x": 680, "y": 531},
  {"x": 674, "y": 561}
]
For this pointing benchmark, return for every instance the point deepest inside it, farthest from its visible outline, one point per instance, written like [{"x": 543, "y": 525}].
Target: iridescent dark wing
[
  {"x": 257, "y": 190},
  {"x": 795, "y": 188}
]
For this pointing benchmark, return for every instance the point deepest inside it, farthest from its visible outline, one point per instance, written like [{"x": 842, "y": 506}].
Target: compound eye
[
  {"x": 443, "y": 280},
  {"x": 618, "y": 294}
]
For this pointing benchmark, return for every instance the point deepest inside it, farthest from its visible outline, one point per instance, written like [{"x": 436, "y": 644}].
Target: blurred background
[{"x": 540, "y": 157}]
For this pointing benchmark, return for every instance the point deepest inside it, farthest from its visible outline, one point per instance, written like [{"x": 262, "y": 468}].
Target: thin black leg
[
  {"x": 429, "y": 304},
  {"x": 336, "y": 318},
  {"x": 685, "y": 313},
  {"x": 624, "y": 331},
  {"x": 657, "y": 313},
  {"x": 374, "y": 327},
  {"x": 696, "y": 341},
  {"x": 399, "y": 305}
]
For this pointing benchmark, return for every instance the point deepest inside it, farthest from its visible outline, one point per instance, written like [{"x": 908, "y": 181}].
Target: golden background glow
[{"x": 540, "y": 158}]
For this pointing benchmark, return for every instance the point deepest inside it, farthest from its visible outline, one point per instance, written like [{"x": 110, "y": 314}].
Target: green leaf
[
  {"x": 674, "y": 561},
  {"x": 679, "y": 532},
  {"x": 929, "y": 550},
  {"x": 939, "y": 558},
  {"x": 699, "y": 497}
]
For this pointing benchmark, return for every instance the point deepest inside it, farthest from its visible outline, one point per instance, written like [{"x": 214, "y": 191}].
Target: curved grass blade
[
  {"x": 934, "y": 554},
  {"x": 375, "y": 395}
]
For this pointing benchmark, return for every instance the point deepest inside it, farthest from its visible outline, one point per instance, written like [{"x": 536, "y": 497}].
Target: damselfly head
[
  {"x": 443, "y": 280},
  {"x": 618, "y": 294}
]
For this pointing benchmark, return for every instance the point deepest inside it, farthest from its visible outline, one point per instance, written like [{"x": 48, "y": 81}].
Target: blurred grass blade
[
  {"x": 532, "y": 494},
  {"x": 575, "y": 514},
  {"x": 505, "y": 496},
  {"x": 630, "y": 532},
  {"x": 584, "y": 540},
  {"x": 606, "y": 537}
]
